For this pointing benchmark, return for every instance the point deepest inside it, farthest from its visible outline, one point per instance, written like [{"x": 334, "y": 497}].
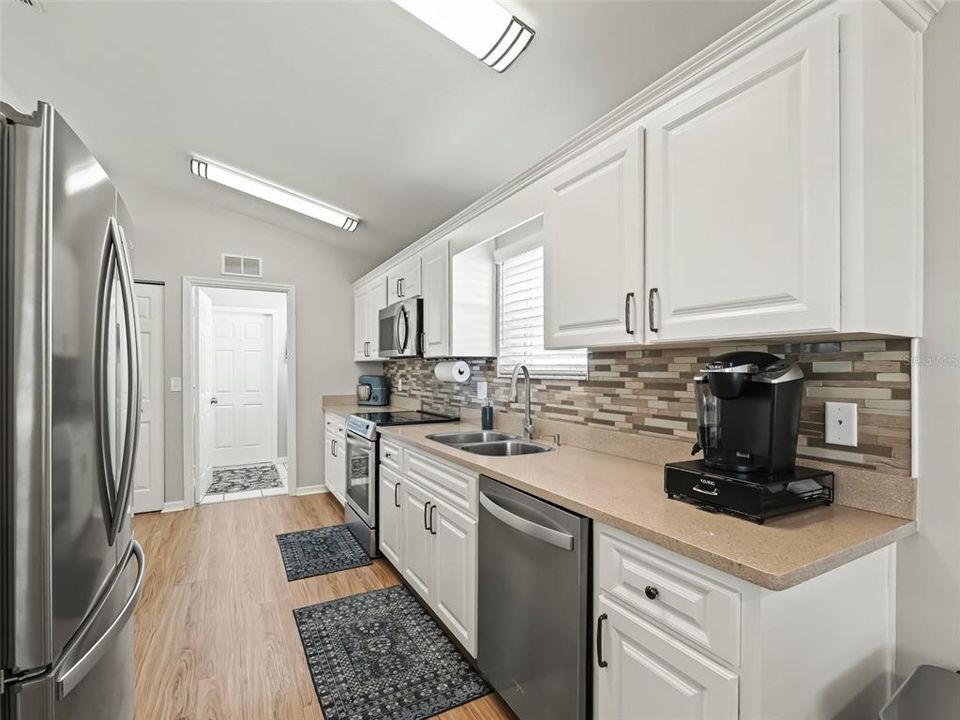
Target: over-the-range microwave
[{"x": 401, "y": 329}]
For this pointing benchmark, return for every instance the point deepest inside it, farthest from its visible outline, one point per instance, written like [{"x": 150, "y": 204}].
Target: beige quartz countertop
[{"x": 628, "y": 494}]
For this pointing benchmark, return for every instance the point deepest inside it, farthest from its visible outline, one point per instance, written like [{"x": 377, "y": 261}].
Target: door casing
[{"x": 190, "y": 414}]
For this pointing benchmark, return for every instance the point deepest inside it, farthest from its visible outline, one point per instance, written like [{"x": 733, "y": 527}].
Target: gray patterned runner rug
[
  {"x": 317, "y": 552},
  {"x": 380, "y": 656}
]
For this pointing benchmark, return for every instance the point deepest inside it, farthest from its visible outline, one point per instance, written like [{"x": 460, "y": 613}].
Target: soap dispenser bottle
[{"x": 486, "y": 416}]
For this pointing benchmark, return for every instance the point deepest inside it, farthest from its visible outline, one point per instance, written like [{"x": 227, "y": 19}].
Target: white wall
[
  {"x": 173, "y": 238},
  {"x": 277, "y": 302},
  {"x": 928, "y": 565},
  {"x": 10, "y": 97}
]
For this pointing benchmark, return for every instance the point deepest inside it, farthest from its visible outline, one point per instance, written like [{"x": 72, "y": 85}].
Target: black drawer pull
[{"x": 651, "y": 592}]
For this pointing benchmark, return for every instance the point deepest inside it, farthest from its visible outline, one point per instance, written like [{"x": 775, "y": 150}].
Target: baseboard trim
[
  {"x": 311, "y": 490},
  {"x": 174, "y": 506}
]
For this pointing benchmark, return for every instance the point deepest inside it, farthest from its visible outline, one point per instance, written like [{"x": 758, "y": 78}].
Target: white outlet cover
[
  {"x": 481, "y": 389},
  {"x": 175, "y": 384},
  {"x": 841, "y": 423}
]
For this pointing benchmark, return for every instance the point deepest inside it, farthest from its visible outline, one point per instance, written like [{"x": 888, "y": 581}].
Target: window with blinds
[{"x": 521, "y": 322}]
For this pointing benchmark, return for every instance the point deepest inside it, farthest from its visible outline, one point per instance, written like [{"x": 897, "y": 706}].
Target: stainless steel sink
[
  {"x": 506, "y": 448},
  {"x": 466, "y": 438}
]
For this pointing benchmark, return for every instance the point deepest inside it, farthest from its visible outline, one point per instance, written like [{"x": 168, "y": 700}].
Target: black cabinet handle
[
  {"x": 433, "y": 530},
  {"x": 650, "y": 308},
  {"x": 651, "y": 592},
  {"x": 600, "y": 661},
  {"x": 333, "y": 448},
  {"x": 627, "y": 314},
  {"x": 396, "y": 494},
  {"x": 426, "y": 527}
]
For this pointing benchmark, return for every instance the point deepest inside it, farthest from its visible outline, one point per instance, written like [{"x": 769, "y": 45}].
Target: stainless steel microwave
[{"x": 401, "y": 329}]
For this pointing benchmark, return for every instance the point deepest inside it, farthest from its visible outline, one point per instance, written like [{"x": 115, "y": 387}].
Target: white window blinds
[{"x": 521, "y": 322}]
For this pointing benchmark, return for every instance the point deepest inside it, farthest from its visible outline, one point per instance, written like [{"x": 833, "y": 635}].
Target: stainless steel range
[{"x": 360, "y": 512}]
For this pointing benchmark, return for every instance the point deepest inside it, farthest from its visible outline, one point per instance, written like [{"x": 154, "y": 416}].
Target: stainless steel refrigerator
[{"x": 70, "y": 569}]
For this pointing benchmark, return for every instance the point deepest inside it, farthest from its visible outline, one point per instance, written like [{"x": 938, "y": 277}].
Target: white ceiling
[{"x": 356, "y": 103}]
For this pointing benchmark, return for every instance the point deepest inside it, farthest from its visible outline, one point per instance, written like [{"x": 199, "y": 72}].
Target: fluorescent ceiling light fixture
[
  {"x": 275, "y": 194},
  {"x": 481, "y": 27}
]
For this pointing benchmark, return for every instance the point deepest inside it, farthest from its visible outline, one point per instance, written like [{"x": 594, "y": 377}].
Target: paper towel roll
[{"x": 452, "y": 371}]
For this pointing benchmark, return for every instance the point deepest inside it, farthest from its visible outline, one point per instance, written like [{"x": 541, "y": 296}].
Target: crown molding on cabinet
[
  {"x": 915, "y": 14},
  {"x": 765, "y": 25}
]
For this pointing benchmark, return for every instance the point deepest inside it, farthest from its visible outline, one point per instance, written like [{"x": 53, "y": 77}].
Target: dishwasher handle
[{"x": 562, "y": 540}]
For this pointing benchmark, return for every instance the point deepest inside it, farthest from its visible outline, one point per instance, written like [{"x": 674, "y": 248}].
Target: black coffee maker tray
[{"x": 754, "y": 496}]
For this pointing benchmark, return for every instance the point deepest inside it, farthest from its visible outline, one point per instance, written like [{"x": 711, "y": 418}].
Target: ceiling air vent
[{"x": 241, "y": 265}]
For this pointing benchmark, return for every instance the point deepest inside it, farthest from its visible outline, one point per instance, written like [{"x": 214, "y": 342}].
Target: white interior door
[
  {"x": 148, "y": 473},
  {"x": 204, "y": 391},
  {"x": 244, "y": 388}
]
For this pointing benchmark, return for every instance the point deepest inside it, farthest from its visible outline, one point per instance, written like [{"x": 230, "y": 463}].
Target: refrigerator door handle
[
  {"x": 68, "y": 679},
  {"x": 134, "y": 399},
  {"x": 106, "y": 470}
]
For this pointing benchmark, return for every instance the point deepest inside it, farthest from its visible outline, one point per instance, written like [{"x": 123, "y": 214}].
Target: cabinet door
[
  {"x": 593, "y": 247},
  {"x": 436, "y": 300},
  {"x": 650, "y": 675},
  {"x": 360, "y": 321},
  {"x": 404, "y": 280},
  {"x": 390, "y": 528},
  {"x": 743, "y": 196},
  {"x": 455, "y": 587},
  {"x": 334, "y": 468},
  {"x": 376, "y": 301},
  {"x": 418, "y": 561},
  {"x": 340, "y": 469}
]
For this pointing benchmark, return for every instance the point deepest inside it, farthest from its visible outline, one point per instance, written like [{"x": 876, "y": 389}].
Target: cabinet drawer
[
  {"x": 391, "y": 455},
  {"x": 335, "y": 424},
  {"x": 693, "y": 606},
  {"x": 454, "y": 484}
]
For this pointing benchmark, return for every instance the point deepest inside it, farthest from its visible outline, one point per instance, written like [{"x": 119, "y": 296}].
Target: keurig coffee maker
[{"x": 748, "y": 420}]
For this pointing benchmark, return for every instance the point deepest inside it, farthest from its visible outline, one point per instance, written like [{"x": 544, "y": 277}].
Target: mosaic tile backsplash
[{"x": 650, "y": 392}]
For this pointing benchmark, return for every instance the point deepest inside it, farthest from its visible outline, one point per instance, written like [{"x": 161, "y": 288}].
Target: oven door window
[{"x": 360, "y": 477}]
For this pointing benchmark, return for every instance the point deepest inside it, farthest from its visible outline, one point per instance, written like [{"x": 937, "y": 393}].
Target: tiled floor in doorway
[{"x": 241, "y": 477}]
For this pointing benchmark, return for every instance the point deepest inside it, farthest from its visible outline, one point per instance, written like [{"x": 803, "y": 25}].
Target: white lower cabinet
[
  {"x": 335, "y": 467},
  {"x": 455, "y": 592},
  {"x": 418, "y": 561},
  {"x": 431, "y": 538},
  {"x": 650, "y": 675},
  {"x": 390, "y": 525},
  {"x": 677, "y": 640}
]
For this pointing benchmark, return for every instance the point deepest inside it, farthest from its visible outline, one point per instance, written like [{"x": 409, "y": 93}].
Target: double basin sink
[{"x": 490, "y": 442}]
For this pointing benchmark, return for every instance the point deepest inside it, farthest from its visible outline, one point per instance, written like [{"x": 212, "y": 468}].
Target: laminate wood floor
[{"x": 215, "y": 635}]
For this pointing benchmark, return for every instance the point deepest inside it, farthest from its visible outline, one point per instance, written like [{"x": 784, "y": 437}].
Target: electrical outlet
[
  {"x": 841, "y": 423},
  {"x": 481, "y": 389},
  {"x": 175, "y": 384}
]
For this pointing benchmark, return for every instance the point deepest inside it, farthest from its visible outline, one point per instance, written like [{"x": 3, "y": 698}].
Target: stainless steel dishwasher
[{"x": 533, "y": 603}]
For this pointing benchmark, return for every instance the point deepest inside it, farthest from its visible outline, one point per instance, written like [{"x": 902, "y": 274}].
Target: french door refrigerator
[{"x": 70, "y": 569}]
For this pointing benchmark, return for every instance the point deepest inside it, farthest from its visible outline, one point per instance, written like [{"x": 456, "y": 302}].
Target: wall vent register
[{"x": 242, "y": 265}]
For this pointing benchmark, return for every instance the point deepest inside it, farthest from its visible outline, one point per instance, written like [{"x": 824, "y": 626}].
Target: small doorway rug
[
  {"x": 237, "y": 478},
  {"x": 380, "y": 655},
  {"x": 317, "y": 552}
]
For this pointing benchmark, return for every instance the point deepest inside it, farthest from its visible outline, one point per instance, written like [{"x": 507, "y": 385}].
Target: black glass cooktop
[{"x": 405, "y": 417}]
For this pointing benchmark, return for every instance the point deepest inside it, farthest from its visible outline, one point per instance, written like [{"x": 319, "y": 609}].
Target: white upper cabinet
[
  {"x": 593, "y": 247},
  {"x": 435, "y": 267},
  {"x": 368, "y": 301},
  {"x": 743, "y": 196},
  {"x": 403, "y": 280}
]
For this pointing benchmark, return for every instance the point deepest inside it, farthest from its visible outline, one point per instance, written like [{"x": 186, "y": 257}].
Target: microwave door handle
[
  {"x": 106, "y": 472},
  {"x": 134, "y": 389},
  {"x": 403, "y": 330}
]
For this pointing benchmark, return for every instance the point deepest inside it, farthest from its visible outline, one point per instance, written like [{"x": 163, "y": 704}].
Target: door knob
[{"x": 213, "y": 401}]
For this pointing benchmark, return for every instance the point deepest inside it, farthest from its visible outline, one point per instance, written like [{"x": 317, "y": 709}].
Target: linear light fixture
[
  {"x": 270, "y": 192},
  {"x": 481, "y": 27}
]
